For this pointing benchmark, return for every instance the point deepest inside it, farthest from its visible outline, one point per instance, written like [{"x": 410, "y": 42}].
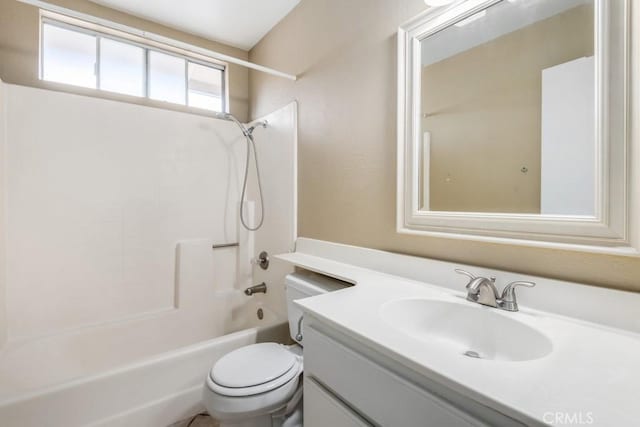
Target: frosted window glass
[
  {"x": 121, "y": 67},
  {"x": 167, "y": 78},
  {"x": 68, "y": 57},
  {"x": 99, "y": 61},
  {"x": 205, "y": 87},
  {"x": 205, "y": 102}
]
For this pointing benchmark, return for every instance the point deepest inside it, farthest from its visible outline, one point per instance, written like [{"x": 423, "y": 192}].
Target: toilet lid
[{"x": 252, "y": 365}]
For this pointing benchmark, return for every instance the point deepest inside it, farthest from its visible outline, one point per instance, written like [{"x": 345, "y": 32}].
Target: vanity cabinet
[
  {"x": 322, "y": 408},
  {"x": 346, "y": 384}
]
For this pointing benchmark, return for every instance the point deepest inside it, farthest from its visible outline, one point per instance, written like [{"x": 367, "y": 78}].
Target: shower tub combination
[
  {"x": 123, "y": 288},
  {"x": 154, "y": 391}
]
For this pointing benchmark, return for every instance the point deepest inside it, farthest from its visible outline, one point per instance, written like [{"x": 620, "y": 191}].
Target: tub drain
[
  {"x": 260, "y": 314},
  {"x": 471, "y": 353}
]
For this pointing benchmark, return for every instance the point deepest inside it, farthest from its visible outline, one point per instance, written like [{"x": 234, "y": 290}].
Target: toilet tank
[{"x": 303, "y": 285}]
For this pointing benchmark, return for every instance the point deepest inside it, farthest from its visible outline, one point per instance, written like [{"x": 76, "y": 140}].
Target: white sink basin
[{"x": 468, "y": 330}]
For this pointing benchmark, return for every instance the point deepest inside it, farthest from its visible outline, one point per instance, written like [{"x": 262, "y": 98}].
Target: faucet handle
[
  {"x": 509, "y": 294},
  {"x": 510, "y": 288},
  {"x": 472, "y": 277},
  {"x": 465, "y": 273}
]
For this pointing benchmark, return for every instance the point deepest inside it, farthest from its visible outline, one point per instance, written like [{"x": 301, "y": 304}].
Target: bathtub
[{"x": 155, "y": 391}]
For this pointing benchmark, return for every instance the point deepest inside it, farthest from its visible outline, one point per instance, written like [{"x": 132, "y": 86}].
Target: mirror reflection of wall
[{"x": 508, "y": 111}]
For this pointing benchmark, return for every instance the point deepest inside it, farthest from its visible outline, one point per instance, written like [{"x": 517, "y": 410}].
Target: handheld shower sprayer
[{"x": 251, "y": 145}]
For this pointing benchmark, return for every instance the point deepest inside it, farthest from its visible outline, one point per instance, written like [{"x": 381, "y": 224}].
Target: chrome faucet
[
  {"x": 261, "y": 288},
  {"x": 483, "y": 291}
]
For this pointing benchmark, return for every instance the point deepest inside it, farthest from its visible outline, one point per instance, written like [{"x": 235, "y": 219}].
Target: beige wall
[
  {"x": 483, "y": 110},
  {"x": 345, "y": 55},
  {"x": 19, "y": 34}
]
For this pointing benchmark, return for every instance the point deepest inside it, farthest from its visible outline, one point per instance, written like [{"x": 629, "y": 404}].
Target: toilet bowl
[
  {"x": 260, "y": 385},
  {"x": 257, "y": 385}
]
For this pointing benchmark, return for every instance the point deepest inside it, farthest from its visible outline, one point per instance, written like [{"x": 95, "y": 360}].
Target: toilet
[{"x": 260, "y": 385}]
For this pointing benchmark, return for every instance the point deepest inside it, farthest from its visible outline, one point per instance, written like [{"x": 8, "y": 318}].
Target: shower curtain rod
[{"x": 155, "y": 37}]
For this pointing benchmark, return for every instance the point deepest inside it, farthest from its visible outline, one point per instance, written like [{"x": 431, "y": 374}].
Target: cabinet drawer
[
  {"x": 321, "y": 409},
  {"x": 371, "y": 389}
]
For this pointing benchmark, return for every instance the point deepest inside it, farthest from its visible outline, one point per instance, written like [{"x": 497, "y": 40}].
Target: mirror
[
  {"x": 508, "y": 110},
  {"x": 512, "y": 121}
]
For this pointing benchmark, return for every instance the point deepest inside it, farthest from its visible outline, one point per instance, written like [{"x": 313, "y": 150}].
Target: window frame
[{"x": 100, "y": 31}]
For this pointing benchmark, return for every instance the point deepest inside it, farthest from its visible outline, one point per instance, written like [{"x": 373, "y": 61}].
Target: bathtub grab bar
[{"x": 225, "y": 245}]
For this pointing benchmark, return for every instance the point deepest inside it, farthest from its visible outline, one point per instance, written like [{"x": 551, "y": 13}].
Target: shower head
[
  {"x": 232, "y": 118},
  {"x": 223, "y": 116},
  {"x": 246, "y": 131}
]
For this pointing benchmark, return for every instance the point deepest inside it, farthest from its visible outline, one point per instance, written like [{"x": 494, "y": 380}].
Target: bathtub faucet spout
[{"x": 261, "y": 288}]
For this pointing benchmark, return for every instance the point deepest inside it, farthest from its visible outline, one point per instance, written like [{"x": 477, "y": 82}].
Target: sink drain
[{"x": 471, "y": 353}]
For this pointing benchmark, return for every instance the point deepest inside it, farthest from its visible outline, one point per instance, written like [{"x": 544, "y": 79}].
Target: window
[
  {"x": 70, "y": 57},
  {"x": 122, "y": 67},
  {"x": 88, "y": 58},
  {"x": 205, "y": 87},
  {"x": 167, "y": 81}
]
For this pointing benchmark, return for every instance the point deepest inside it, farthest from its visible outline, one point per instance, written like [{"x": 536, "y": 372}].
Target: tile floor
[{"x": 199, "y": 421}]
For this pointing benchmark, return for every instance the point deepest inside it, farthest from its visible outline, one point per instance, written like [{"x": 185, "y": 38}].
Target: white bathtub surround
[
  {"x": 98, "y": 194},
  {"x": 594, "y": 333},
  {"x": 91, "y": 356},
  {"x": 112, "y": 211},
  {"x": 3, "y": 224},
  {"x": 278, "y": 155}
]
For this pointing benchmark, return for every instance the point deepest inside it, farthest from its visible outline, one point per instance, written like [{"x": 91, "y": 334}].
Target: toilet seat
[{"x": 254, "y": 369}]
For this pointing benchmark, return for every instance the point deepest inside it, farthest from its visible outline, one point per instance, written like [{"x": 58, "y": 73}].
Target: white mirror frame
[{"x": 614, "y": 229}]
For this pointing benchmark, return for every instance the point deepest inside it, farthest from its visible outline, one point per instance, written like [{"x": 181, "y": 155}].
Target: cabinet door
[
  {"x": 322, "y": 409},
  {"x": 384, "y": 397}
]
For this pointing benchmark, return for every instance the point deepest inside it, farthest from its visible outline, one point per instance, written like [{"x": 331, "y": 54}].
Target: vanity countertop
[{"x": 592, "y": 371}]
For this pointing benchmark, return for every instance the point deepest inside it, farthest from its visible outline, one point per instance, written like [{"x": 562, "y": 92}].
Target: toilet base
[
  {"x": 251, "y": 411},
  {"x": 293, "y": 419}
]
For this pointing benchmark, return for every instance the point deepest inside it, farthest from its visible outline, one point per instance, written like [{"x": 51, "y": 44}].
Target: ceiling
[{"x": 238, "y": 23}]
